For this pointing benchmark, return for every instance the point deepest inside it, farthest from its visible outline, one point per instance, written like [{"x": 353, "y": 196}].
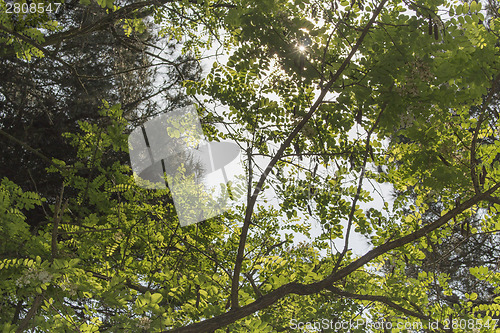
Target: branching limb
[
  {"x": 279, "y": 153},
  {"x": 313, "y": 288}
]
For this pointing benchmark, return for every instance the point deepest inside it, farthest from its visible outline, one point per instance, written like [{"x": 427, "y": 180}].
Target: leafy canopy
[{"x": 325, "y": 98}]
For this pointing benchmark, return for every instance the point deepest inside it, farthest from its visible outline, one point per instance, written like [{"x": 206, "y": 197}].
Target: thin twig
[{"x": 360, "y": 184}]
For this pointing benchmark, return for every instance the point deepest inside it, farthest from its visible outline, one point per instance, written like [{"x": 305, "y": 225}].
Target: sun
[{"x": 301, "y": 48}]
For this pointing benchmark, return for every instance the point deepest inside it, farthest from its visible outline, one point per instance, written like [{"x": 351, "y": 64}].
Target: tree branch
[
  {"x": 31, "y": 312},
  {"x": 313, "y": 288},
  {"x": 286, "y": 144},
  {"x": 38, "y": 46},
  {"x": 58, "y": 212},
  {"x": 360, "y": 184},
  {"x": 380, "y": 299},
  {"x": 31, "y": 149},
  {"x": 128, "y": 283},
  {"x": 112, "y": 18},
  {"x": 473, "y": 160}
]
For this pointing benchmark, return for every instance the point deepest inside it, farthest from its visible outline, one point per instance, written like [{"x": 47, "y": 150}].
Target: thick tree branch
[
  {"x": 31, "y": 312},
  {"x": 384, "y": 248},
  {"x": 17, "y": 312},
  {"x": 286, "y": 144},
  {"x": 313, "y": 288}
]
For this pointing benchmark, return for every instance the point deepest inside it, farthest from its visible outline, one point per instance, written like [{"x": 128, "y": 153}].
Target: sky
[{"x": 379, "y": 192}]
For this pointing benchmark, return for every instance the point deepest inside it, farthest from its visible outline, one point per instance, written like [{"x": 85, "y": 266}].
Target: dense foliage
[{"x": 328, "y": 100}]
